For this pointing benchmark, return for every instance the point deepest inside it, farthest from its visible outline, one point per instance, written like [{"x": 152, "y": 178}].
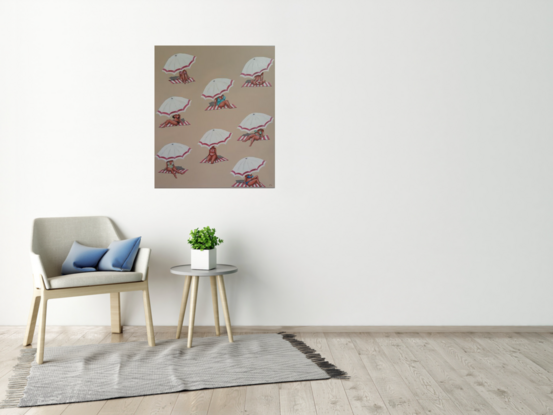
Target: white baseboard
[
  {"x": 341, "y": 329},
  {"x": 369, "y": 329}
]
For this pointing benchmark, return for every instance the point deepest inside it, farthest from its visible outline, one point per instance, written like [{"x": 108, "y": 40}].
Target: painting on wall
[{"x": 214, "y": 117}]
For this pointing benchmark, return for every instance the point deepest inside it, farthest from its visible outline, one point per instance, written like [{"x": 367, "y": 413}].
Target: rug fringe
[
  {"x": 18, "y": 381},
  {"x": 330, "y": 369}
]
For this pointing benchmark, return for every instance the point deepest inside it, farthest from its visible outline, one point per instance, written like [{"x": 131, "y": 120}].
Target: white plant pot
[{"x": 206, "y": 259}]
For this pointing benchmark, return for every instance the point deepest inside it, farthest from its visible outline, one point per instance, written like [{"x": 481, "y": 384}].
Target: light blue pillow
[
  {"x": 120, "y": 255},
  {"x": 82, "y": 259}
]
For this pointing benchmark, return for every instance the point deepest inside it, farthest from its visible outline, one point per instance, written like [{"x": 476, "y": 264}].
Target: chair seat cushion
[{"x": 93, "y": 278}]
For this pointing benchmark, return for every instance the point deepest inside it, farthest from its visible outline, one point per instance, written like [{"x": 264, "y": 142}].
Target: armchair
[{"x": 51, "y": 241}]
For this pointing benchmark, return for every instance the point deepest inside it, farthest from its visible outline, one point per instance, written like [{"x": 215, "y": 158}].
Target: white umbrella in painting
[
  {"x": 256, "y": 66},
  {"x": 247, "y": 165},
  {"x": 173, "y": 105},
  {"x": 178, "y": 62},
  {"x": 214, "y": 137},
  {"x": 173, "y": 151},
  {"x": 216, "y": 87},
  {"x": 254, "y": 121}
]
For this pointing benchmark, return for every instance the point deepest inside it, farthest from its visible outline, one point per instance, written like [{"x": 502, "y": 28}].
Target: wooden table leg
[
  {"x": 223, "y": 293},
  {"x": 215, "y": 304},
  {"x": 183, "y": 304},
  {"x": 193, "y": 298}
]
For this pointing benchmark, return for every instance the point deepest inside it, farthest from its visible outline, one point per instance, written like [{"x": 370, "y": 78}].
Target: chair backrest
[{"x": 53, "y": 237}]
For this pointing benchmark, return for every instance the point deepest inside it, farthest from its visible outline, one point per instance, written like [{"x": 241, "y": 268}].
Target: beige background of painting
[{"x": 214, "y": 62}]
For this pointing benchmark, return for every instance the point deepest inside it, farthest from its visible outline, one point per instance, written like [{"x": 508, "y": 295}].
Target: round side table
[{"x": 193, "y": 277}]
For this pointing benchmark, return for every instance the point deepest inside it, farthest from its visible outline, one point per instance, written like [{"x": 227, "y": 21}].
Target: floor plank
[
  {"x": 84, "y": 408},
  {"x": 364, "y": 398},
  {"x": 523, "y": 345},
  {"x": 547, "y": 336},
  {"x": 47, "y": 410},
  {"x": 422, "y": 385},
  {"x": 438, "y": 407},
  {"x": 228, "y": 401},
  {"x": 94, "y": 335},
  {"x": 263, "y": 399},
  {"x": 511, "y": 369},
  {"x": 362, "y": 394},
  {"x": 14, "y": 411},
  {"x": 193, "y": 402},
  {"x": 468, "y": 400},
  {"x": 296, "y": 398},
  {"x": 394, "y": 391},
  {"x": 330, "y": 398},
  {"x": 157, "y": 404},
  {"x": 329, "y": 395},
  {"x": 318, "y": 342},
  {"x": 346, "y": 356},
  {"x": 488, "y": 385},
  {"x": 121, "y": 406},
  {"x": 540, "y": 378}
]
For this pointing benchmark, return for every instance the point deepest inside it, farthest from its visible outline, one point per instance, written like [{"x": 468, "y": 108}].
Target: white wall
[{"x": 438, "y": 212}]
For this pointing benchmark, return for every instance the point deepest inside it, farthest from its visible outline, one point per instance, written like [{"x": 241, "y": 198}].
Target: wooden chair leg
[
  {"x": 148, "y": 314},
  {"x": 193, "y": 298},
  {"x": 115, "y": 305},
  {"x": 31, "y": 324},
  {"x": 183, "y": 304},
  {"x": 42, "y": 330},
  {"x": 215, "y": 304},
  {"x": 223, "y": 293}
]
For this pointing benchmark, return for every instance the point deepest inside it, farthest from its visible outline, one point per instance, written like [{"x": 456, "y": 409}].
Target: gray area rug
[{"x": 106, "y": 371}]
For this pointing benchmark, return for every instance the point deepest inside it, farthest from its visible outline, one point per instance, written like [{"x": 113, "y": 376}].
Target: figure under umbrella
[
  {"x": 177, "y": 65},
  {"x": 211, "y": 140},
  {"x": 169, "y": 154},
  {"x": 255, "y": 68},
  {"x": 254, "y": 125},
  {"x": 215, "y": 90},
  {"x": 245, "y": 168},
  {"x": 171, "y": 108}
]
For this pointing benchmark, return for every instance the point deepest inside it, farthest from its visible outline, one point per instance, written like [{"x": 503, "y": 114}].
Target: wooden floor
[{"x": 391, "y": 373}]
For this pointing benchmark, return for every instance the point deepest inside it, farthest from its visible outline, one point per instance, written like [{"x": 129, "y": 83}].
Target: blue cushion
[
  {"x": 120, "y": 255},
  {"x": 82, "y": 259}
]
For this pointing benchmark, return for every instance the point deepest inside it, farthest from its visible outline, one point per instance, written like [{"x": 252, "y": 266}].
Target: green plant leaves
[{"x": 204, "y": 238}]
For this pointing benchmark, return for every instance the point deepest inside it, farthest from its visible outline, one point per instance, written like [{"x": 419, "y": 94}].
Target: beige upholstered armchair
[{"x": 51, "y": 242}]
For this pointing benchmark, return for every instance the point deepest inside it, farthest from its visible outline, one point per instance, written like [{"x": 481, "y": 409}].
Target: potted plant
[{"x": 203, "y": 243}]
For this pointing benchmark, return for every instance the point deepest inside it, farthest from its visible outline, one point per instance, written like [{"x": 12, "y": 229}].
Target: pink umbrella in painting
[
  {"x": 245, "y": 168},
  {"x": 212, "y": 139},
  {"x": 255, "y": 121},
  {"x": 171, "y": 152},
  {"x": 255, "y": 68},
  {"x": 255, "y": 125},
  {"x": 215, "y": 137},
  {"x": 215, "y": 90},
  {"x": 171, "y": 108},
  {"x": 177, "y": 64}
]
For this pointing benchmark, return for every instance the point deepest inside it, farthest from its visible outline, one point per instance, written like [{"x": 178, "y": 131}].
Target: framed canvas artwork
[{"x": 214, "y": 117}]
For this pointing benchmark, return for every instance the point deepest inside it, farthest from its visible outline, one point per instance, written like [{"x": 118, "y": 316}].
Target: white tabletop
[{"x": 222, "y": 269}]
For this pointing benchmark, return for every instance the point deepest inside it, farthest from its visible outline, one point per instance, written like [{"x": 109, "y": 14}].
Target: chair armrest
[
  {"x": 39, "y": 274},
  {"x": 141, "y": 263}
]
